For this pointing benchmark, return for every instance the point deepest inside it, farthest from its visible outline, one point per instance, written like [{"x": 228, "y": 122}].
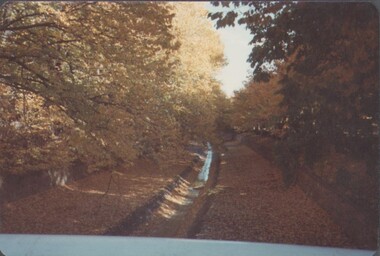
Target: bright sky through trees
[{"x": 236, "y": 50}]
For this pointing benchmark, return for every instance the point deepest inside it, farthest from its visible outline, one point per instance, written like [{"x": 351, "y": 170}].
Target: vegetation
[
  {"x": 88, "y": 86},
  {"x": 100, "y": 84},
  {"x": 328, "y": 93},
  {"x": 257, "y": 105}
]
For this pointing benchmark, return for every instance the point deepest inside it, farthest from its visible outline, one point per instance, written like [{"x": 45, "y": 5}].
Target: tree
[
  {"x": 330, "y": 88},
  {"x": 197, "y": 93},
  {"x": 104, "y": 83},
  {"x": 101, "y": 71},
  {"x": 258, "y": 105}
]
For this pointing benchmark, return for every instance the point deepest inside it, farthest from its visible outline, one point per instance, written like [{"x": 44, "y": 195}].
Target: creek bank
[
  {"x": 358, "y": 218},
  {"x": 178, "y": 214},
  {"x": 92, "y": 205}
]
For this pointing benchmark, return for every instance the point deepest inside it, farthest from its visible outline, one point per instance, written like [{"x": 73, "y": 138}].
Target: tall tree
[
  {"x": 104, "y": 83},
  {"x": 100, "y": 64},
  {"x": 198, "y": 59},
  {"x": 330, "y": 88},
  {"x": 258, "y": 104}
]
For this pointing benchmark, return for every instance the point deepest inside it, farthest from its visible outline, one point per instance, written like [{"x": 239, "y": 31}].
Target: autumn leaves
[{"x": 117, "y": 80}]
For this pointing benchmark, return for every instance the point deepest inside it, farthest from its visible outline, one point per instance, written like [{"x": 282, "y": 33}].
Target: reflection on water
[{"x": 203, "y": 175}]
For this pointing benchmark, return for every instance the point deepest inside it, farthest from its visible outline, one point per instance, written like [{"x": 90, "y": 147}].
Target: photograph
[{"x": 223, "y": 128}]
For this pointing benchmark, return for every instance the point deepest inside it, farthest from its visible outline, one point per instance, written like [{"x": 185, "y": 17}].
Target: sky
[{"x": 236, "y": 50}]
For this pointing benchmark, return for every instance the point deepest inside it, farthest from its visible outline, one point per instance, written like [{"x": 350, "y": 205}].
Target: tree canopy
[
  {"x": 330, "y": 86},
  {"x": 103, "y": 83}
]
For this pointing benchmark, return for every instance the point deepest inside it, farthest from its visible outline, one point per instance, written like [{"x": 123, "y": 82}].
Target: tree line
[
  {"x": 105, "y": 83},
  {"x": 315, "y": 81}
]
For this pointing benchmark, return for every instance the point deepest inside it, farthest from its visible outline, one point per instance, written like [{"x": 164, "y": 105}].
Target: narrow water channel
[
  {"x": 203, "y": 175},
  {"x": 168, "y": 220}
]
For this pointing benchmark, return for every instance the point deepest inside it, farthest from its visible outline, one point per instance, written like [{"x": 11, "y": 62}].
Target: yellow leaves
[
  {"x": 257, "y": 103},
  {"x": 105, "y": 81},
  {"x": 195, "y": 91},
  {"x": 200, "y": 43}
]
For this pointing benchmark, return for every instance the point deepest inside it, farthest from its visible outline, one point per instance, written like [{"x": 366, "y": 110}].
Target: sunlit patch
[
  {"x": 177, "y": 199},
  {"x": 147, "y": 178},
  {"x": 181, "y": 194},
  {"x": 184, "y": 192},
  {"x": 118, "y": 173},
  {"x": 166, "y": 211},
  {"x": 201, "y": 157},
  {"x": 198, "y": 184},
  {"x": 182, "y": 180},
  {"x": 217, "y": 189},
  {"x": 98, "y": 192}
]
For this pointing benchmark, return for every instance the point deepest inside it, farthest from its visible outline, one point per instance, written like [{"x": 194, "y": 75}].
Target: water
[{"x": 203, "y": 175}]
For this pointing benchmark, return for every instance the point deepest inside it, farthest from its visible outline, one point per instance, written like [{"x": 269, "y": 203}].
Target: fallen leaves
[
  {"x": 256, "y": 207},
  {"x": 83, "y": 207}
]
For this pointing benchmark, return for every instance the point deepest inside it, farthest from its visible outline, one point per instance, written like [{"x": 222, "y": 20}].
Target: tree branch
[
  {"x": 96, "y": 99},
  {"x": 25, "y": 27},
  {"x": 64, "y": 41},
  {"x": 21, "y": 64},
  {"x": 5, "y": 26}
]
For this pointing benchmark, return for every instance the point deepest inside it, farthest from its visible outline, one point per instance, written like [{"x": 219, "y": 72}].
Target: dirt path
[{"x": 250, "y": 204}]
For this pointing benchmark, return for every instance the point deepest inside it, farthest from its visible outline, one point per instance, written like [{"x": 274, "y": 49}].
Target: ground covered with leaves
[
  {"x": 90, "y": 206},
  {"x": 250, "y": 203}
]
